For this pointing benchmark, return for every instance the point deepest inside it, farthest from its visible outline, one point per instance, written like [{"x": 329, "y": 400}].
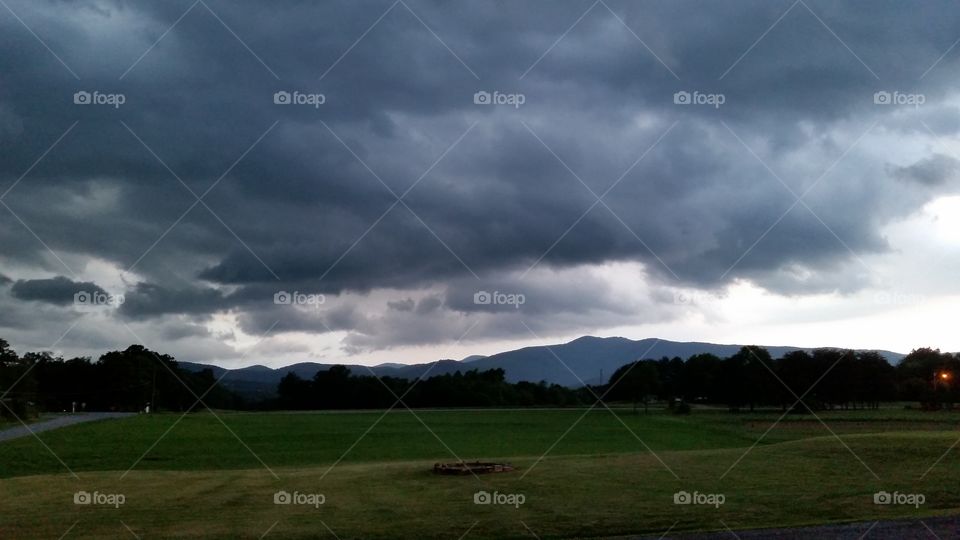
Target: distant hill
[{"x": 586, "y": 360}]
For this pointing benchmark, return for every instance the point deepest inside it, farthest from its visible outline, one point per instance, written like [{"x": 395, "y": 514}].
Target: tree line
[
  {"x": 135, "y": 378},
  {"x": 128, "y": 380},
  {"x": 821, "y": 379},
  {"x": 338, "y": 388}
]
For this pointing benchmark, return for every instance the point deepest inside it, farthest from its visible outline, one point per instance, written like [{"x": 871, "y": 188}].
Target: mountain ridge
[{"x": 584, "y": 360}]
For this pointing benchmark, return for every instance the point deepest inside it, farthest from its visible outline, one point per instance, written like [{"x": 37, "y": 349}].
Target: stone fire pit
[{"x": 468, "y": 467}]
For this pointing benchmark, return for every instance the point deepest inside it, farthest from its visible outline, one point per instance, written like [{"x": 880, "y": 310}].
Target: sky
[{"x": 403, "y": 181}]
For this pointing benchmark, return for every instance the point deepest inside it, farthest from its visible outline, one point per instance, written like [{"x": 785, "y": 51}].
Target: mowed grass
[
  {"x": 203, "y": 441},
  {"x": 599, "y": 480}
]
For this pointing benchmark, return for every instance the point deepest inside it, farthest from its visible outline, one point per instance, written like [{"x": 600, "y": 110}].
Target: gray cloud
[
  {"x": 184, "y": 331},
  {"x": 407, "y": 304},
  {"x": 300, "y": 211},
  {"x": 57, "y": 290},
  {"x": 147, "y": 300},
  {"x": 429, "y": 305},
  {"x": 933, "y": 171}
]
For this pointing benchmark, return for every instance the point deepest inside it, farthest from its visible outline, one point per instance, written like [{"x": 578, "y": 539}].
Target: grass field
[{"x": 598, "y": 480}]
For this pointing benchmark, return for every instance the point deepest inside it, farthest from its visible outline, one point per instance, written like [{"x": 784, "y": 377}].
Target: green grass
[
  {"x": 199, "y": 481},
  {"x": 202, "y": 442}
]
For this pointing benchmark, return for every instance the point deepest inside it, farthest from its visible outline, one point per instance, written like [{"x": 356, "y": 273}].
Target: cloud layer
[{"x": 399, "y": 197}]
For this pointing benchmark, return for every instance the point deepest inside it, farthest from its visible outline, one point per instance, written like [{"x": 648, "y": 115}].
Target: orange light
[{"x": 944, "y": 375}]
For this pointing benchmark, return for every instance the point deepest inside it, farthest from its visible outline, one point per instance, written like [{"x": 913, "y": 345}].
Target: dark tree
[
  {"x": 701, "y": 378},
  {"x": 635, "y": 382}
]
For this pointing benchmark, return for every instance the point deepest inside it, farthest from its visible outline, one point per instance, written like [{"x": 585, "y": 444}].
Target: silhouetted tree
[
  {"x": 636, "y": 382},
  {"x": 701, "y": 378}
]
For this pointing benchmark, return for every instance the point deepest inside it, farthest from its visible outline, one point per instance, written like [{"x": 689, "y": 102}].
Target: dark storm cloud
[
  {"x": 932, "y": 171},
  {"x": 146, "y": 300},
  {"x": 290, "y": 207},
  {"x": 279, "y": 319},
  {"x": 57, "y": 290},
  {"x": 554, "y": 302}
]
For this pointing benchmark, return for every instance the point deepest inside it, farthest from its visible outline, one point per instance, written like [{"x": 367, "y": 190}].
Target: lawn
[
  {"x": 599, "y": 480},
  {"x": 201, "y": 442}
]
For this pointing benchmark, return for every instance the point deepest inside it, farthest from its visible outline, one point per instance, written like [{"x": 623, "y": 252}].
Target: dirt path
[{"x": 55, "y": 423}]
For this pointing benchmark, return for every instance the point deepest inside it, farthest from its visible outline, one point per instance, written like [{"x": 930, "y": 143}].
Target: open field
[
  {"x": 201, "y": 442},
  {"x": 599, "y": 480}
]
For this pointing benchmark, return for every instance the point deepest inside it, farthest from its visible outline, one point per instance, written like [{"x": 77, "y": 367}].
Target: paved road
[
  {"x": 906, "y": 529},
  {"x": 58, "y": 422}
]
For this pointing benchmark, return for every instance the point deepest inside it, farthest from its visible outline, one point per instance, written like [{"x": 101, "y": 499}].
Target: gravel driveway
[{"x": 54, "y": 423}]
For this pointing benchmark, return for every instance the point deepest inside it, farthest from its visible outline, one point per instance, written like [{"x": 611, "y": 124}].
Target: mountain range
[{"x": 586, "y": 360}]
